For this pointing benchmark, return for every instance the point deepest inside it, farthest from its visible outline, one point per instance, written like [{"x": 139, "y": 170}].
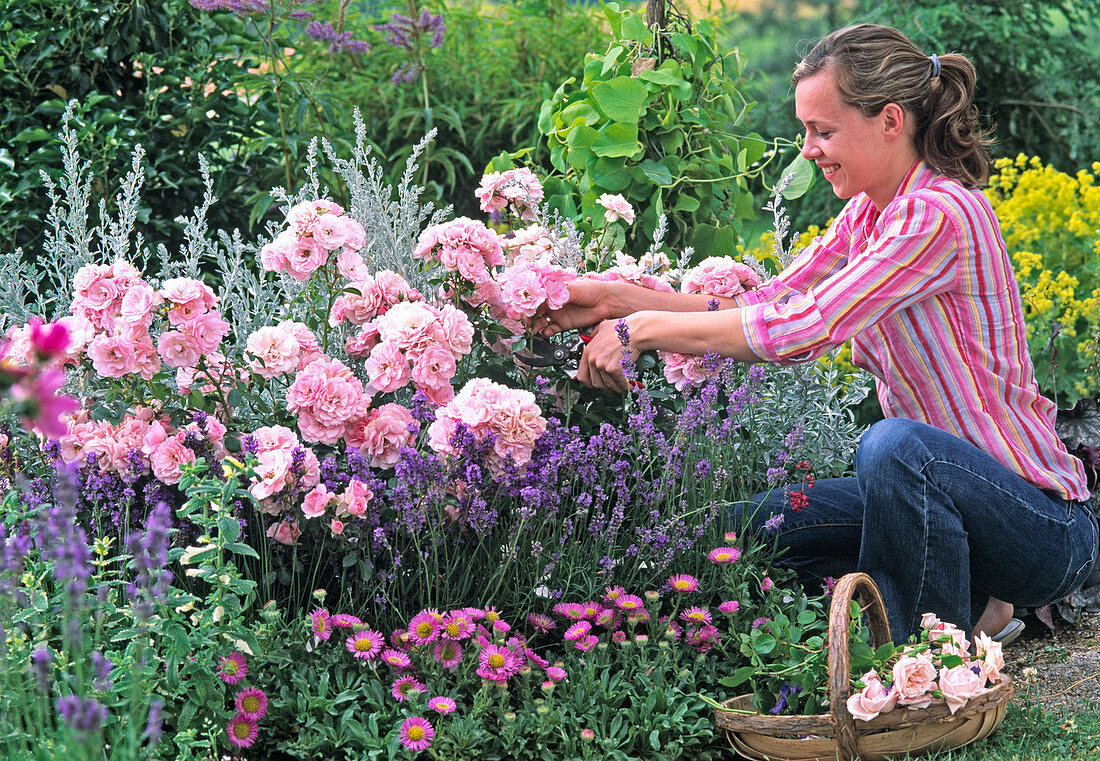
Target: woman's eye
[{"x": 823, "y": 133}]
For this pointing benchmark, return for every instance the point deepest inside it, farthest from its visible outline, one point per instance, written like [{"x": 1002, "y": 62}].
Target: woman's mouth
[{"x": 827, "y": 170}]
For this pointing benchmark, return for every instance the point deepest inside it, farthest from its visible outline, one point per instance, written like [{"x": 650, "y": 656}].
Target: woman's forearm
[
  {"x": 627, "y": 298},
  {"x": 692, "y": 333}
]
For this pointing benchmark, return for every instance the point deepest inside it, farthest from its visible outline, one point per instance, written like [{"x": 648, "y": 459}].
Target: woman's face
[{"x": 856, "y": 153}]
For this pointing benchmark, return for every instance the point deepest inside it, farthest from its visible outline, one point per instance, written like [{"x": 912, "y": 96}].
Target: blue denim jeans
[{"x": 938, "y": 524}]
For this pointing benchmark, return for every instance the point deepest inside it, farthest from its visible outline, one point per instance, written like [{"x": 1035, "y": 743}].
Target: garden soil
[{"x": 1057, "y": 670}]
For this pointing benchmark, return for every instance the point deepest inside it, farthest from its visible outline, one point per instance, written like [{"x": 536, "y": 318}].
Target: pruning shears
[{"x": 565, "y": 355}]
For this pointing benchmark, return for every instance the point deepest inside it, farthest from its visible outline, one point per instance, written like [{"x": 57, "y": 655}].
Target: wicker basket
[{"x": 836, "y": 735}]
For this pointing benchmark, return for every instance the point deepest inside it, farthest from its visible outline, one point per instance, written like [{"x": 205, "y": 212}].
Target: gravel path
[{"x": 1059, "y": 671}]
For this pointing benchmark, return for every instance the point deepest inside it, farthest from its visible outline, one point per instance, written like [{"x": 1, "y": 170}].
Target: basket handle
[{"x": 839, "y": 662}]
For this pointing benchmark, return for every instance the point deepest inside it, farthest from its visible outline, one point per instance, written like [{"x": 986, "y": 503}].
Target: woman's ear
[{"x": 894, "y": 121}]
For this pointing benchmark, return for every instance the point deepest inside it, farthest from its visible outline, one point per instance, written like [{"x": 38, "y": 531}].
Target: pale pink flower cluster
[
  {"x": 381, "y": 435},
  {"x": 160, "y": 448},
  {"x": 328, "y": 399},
  {"x": 467, "y": 247},
  {"x": 315, "y": 229},
  {"x": 486, "y": 408},
  {"x": 275, "y": 474},
  {"x": 616, "y": 207},
  {"x": 920, "y": 672},
  {"x": 528, "y": 244},
  {"x": 517, "y": 189},
  {"x": 719, "y": 276},
  {"x": 524, "y": 288},
  {"x": 353, "y": 501},
  {"x": 284, "y": 348},
  {"x": 118, "y": 305},
  {"x": 683, "y": 370},
  {"x": 418, "y": 343},
  {"x": 370, "y": 296},
  {"x": 627, "y": 268}
]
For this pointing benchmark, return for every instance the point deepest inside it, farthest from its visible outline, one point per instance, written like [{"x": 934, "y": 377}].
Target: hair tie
[{"x": 935, "y": 59}]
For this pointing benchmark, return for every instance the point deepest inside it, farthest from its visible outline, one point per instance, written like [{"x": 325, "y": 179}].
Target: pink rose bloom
[
  {"x": 284, "y": 532},
  {"x": 458, "y": 331},
  {"x": 350, "y": 264},
  {"x": 274, "y": 350},
  {"x": 950, "y": 639},
  {"x": 309, "y": 349},
  {"x": 273, "y": 255},
  {"x": 81, "y": 332},
  {"x": 389, "y": 288},
  {"x": 272, "y": 470},
  {"x": 99, "y": 295},
  {"x": 336, "y": 527},
  {"x": 167, "y": 458},
  {"x": 314, "y": 504},
  {"x": 139, "y": 302},
  {"x": 355, "y": 498},
  {"x": 303, "y": 217},
  {"x": 326, "y": 396},
  {"x": 522, "y": 291},
  {"x": 992, "y": 659},
  {"x": 330, "y": 232},
  {"x": 355, "y": 237},
  {"x": 178, "y": 349},
  {"x": 439, "y": 395},
  {"x": 387, "y": 368},
  {"x": 617, "y": 208},
  {"x": 460, "y": 237},
  {"x": 434, "y": 367},
  {"x": 914, "y": 680},
  {"x": 388, "y": 429},
  {"x": 112, "y": 356},
  {"x": 304, "y": 257},
  {"x": 362, "y": 343},
  {"x": 207, "y": 328},
  {"x": 873, "y": 699},
  {"x": 719, "y": 276},
  {"x": 412, "y": 326},
  {"x": 928, "y": 621},
  {"x": 518, "y": 188},
  {"x": 189, "y": 297},
  {"x": 528, "y": 244},
  {"x": 683, "y": 370},
  {"x": 275, "y": 437},
  {"x": 958, "y": 685}
]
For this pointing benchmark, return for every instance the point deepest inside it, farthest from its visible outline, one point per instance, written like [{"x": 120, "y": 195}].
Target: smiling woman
[{"x": 964, "y": 492}]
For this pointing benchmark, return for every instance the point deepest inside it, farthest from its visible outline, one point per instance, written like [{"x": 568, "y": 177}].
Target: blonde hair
[{"x": 875, "y": 65}]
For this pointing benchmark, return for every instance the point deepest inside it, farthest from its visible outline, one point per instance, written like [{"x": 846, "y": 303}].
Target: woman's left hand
[{"x": 601, "y": 361}]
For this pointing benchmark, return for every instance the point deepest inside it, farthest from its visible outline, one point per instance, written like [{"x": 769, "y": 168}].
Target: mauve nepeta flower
[
  {"x": 239, "y": 7},
  {"x": 149, "y": 556},
  {"x": 338, "y": 42},
  {"x": 773, "y": 523},
  {"x": 82, "y": 715}
]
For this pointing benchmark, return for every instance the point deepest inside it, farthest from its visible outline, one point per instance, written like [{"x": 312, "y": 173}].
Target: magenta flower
[
  {"x": 242, "y": 731},
  {"x": 683, "y": 582},
  {"x": 232, "y": 668},
  {"x": 251, "y": 703},
  {"x": 577, "y": 630},
  {"x": 397, "y": 659},
  {"x": 591, "y": 609},
  {"x": 424, "y": 627},
  {"x": 586, "y": 643},
  {"x": 442, "y": 704},
  {"x": 557, "y": 673},
  {"x": 365, "y": 644},
  {"x": 723, "y": 555},
  {"x": 629, "y": 602},
  {"x": 497, "y": 663},
  {"x": 403, "y": 686},
  {"x": 571, "y": 610},
  {"x": 540, "y": 622},
  {"x": 729, "y": 606},
  {"x": 611, "y": 594},
  {"x": 319, "y": 623},
  {"x": 766, "y": 584},
  {"x": 345, "y": 621},
  {"x": 695, "y": 615},
  {"x": 448, "y": 653},
  {"x": 417, "y": 733},
  {"x": 456, "y": 625}
]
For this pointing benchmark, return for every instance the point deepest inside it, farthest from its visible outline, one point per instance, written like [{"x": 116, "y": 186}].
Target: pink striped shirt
[{"x": 926, "y": 293}]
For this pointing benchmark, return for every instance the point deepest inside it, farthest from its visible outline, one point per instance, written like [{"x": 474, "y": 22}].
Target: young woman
[{"x": 963, "y": 495}]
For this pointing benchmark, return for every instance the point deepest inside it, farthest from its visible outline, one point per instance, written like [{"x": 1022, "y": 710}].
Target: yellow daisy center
[
  {"x": 416, "y": 732},
  {"x": 496, "y": 661}
]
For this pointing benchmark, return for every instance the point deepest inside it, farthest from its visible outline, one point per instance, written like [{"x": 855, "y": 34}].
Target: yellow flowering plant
[{"x": 1051, "y": 224}]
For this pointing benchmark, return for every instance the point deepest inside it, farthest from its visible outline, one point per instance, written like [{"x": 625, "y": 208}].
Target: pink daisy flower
[
  {"x": 766, "y": 584},
  {"x": 724, "y": 555},
  {"x": 729, "y": 606},
  {"x": 588, "y": 735},
  {"x": 618, "y": 637},
  {"x": 731, "y": 536},
  {"x": 577, "y": 630},
  {"x": 683, "y": 582},
  {"x": 397, "y": 659},
  {"x": 535, "y": 659},
  {"x": 424, "y": 627},
  {"x": 609, "y": 618},
  {"x": 448, "y": 653},
  {"x": 540, "y": 622},
  {"x": 571, "y": 610},
  {"x": 232, "y": 668},
  {"x": 345, "y": 621},
  {"x": 556, "y": 673},
  {"x": 611, "y": 594},
  {"x": 403, "y": 686},
  {"x": 474, "y": 614},
  {"x": 497, "y": 663},
  {"x": 491, "y": 614},
  {"x": 416, "y": 733},
  {"x": 441, "y": 705},
  {"x": 591, "y": 609},
  {"x": 696, "y": 615},
  {"x": 365, "y": 644},
  {"x": 629, "y": 602},
  {"x": 636, "y": 617},
  {"x": 251, "y": 703},
  {"x": 456, "y": 625},
  {"x": 400, "y": 639},
  {"x": 586, "y": 643},
  {"x": 319, "y": 623},
  {"x": 242, "y": 731}
]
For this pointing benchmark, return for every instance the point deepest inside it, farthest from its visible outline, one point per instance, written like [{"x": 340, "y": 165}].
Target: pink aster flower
[
  {"x": 456, "y": 625},
  {"x": 497, "y": 663},
  {"x": 242, "y": 731},
  {"x": 696, "y": 615},
  {"x": 724, "y": 555},
  {"x": 232, "y": 668},
  {"x": 365, "y": 644},
  {"x": 416, "y": 733},
  {"x": 586, "y": 642},
  {"x": 571, "y": 610},
  {"x": 448, "y": 653},
  {"x": 556, "y": 673},
  {"x": 441, "y": 704},
  {"x": 319, "y": 623},
  {"x": 729, "y": 606},
  {"x": 629, "y": 602},
  {"x": 396, "y": 659},
  {"x": 766, "y": 584},
  {"x": 611, "y": 594},
  {"x": 251, "y": 703},
  {"x": 577, "y": 630},
  {"x": 591, "y": 609},
  {"x": 345, "y": 621},
  {"x": 540, "y": 622},
  {"x": 730, "y": 536},
  {"x": 424, "y": 627},
  {"x": 403, "y": 686},
  {"x": 683, "y": 582}
]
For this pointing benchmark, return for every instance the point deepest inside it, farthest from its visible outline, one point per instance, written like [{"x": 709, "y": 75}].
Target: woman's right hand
[{"x": 588, "y": 305}]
